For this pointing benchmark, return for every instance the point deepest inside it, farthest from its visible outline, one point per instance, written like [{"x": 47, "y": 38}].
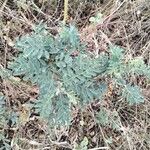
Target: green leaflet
[
  {"x": 3, "y": 123},
  {"x": 109, "y": 118},
  {"x": 92, "y": 92},
  {"x": 69, "y": 36},
  {"x": 83, "y": 145},
  {"x": 133, "y": 94},
  {"x": 138, "y": 67},
  {"x": 116, "y": 63},
  {"x": 63, "y": 112},
  {"x": 2, "y": 111}
]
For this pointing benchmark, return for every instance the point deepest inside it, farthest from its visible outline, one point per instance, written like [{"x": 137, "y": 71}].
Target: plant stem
[{"x": 65, "y": 11}]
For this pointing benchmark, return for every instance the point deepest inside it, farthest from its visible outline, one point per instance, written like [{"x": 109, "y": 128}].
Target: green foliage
[
  {"x": 138, "y": 67},
  {"x": 4, "y": 143},
  {"x": 116, "y": 65},
  {"x": 83, "y": 145},
  {"x": 109, "y": 118},
  {"x": 67, "y": 75},
  {"x": 133, "y": 94},
  {"x": 97, "y": 19},
  {"x": 2, "y": 111}
]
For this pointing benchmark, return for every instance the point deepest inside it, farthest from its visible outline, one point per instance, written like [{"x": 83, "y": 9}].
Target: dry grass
[{"x": 126, "y": 24}]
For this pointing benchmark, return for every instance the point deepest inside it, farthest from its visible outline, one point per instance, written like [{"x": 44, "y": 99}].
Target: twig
[
  {"x": 65, "y": 11},
  {"x": 99, "y": 148},
  {"x": 3, "y": 5}
]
